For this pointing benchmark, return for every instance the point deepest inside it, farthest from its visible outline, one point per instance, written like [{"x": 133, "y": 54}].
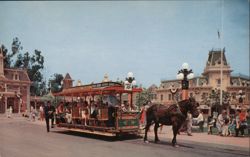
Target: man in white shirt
[{"x": 200, "y": 120}]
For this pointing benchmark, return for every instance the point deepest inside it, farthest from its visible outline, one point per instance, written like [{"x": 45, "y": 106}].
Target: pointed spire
[{"x": 106, "y": 78}]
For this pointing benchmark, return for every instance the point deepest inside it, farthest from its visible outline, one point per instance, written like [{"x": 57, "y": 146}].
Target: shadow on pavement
[
  {"x": 99, "y": 137},
  {"x": 201, "y": 148}
]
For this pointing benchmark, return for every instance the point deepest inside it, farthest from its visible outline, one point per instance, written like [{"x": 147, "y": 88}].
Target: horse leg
[
  {"x": 156, "y": 132},
  {"x": 175, "y": 131},
  {"x": 146, "y": 132}
]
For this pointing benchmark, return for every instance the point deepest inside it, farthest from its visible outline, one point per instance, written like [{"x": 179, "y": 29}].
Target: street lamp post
[
  {"x": 184, "y": 74},
  {"x": 129, "y": 83}
]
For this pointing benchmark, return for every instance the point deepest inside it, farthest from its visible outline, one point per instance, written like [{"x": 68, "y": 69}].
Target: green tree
[
  {"x": 16, "y": 46},
  {"x": 143, "y": 97},
  {"x": 56, "y": 83},
  {"x": 8, "y": 56},
  {"x": 32, "y": 63}
]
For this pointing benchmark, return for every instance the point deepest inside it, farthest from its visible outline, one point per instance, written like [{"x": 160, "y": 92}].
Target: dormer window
[{"x": 15, "y": 76}]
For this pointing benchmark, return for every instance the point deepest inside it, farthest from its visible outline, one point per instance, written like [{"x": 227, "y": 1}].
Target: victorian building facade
[
  {"x": 205, "y": 88},
  {"x": 14, "y": 88}
]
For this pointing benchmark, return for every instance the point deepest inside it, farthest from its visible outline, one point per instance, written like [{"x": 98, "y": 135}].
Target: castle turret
[
  {"x": 213, "y": 69},
  {"x": 67, "y": 81}
]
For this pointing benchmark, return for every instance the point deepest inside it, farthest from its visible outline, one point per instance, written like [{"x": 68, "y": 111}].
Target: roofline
[
  {"x": 15, "y": 69},
  {"x": 94, "y": 89},
  {"x": 91, "y": 84},
  {"x": 239, "y": 75}
]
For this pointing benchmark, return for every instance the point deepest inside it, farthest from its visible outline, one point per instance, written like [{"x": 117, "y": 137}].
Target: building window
[
  {"x": 15, "y": 77},
  {"x": 218, "y": 82},
  {"x": 161, "y": 97},
  {"x": 169, "y": 96}
]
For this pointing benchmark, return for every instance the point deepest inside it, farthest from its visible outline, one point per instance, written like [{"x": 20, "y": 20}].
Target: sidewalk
[
  {"x": 167, "y": 132},
  {"x": 14, "y": 115}
]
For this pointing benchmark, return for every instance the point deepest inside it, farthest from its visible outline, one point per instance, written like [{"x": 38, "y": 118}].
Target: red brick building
[{"x": 14, "y": 88}]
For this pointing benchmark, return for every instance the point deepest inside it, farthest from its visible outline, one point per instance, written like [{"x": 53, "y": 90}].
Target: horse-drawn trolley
[{"x": 98, "y": 109}]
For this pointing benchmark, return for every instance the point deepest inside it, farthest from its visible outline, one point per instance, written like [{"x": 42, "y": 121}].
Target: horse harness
[{"x": 178, "y": 107}]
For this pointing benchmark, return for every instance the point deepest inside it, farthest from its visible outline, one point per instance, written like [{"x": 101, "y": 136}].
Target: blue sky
[{"x": 150, "y": 38}]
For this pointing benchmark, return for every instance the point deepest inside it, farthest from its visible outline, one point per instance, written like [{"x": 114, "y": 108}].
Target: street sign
[{"x": 128, "y": 86}]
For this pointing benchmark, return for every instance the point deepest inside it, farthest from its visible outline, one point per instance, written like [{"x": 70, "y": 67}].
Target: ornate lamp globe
[{"x": 185, "y": 66}]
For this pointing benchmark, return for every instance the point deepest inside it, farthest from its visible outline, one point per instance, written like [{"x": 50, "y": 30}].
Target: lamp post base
[{"x": 184, "y": 94}]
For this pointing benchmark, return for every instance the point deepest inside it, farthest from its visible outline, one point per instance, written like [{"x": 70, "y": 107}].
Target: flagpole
[{"x": 221, "y": 57}]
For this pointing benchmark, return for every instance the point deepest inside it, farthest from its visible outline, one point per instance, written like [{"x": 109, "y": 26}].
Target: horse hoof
[
  {"x": 157, "y": 141},
  {"x": 176, "y": 146},
  {"x": 146, "y": 141}
]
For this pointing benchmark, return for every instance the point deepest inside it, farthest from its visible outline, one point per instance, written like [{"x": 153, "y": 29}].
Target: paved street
[{"x": 21, "y": 138}]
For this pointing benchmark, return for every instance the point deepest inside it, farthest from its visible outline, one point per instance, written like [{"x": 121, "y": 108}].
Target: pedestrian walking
[
  {"x": 47, "y": 113},
  {"x": 41, "y": 113},
  {"x": 32, "y": 114},
  {"x": 52, "y": 116},
  {"x": 189, "y": 124},
  {"x": 10, "y": 112}
]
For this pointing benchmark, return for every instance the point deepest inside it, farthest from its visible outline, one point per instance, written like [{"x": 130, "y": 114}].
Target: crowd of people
[{"x": 225, "y": 124}]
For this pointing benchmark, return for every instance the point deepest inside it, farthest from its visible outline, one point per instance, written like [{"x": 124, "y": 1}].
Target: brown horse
[{"x": 174, "y": 115}]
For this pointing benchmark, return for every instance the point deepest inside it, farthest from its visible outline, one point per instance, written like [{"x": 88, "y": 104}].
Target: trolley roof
[{"x": 96, "y": 89}]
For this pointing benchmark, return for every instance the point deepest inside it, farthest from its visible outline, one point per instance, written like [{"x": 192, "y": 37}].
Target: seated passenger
[
  {"x": 84, "y": 114},
  {"x": 94, "y": 112},
  {"x": 68, "y": 116},
  {"x": 123, "y": 108},
  {"x": 211, "y": 124}
]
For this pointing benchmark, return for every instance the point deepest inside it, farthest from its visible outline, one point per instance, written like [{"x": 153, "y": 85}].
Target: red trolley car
[{"x": 98, "y": 109}]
